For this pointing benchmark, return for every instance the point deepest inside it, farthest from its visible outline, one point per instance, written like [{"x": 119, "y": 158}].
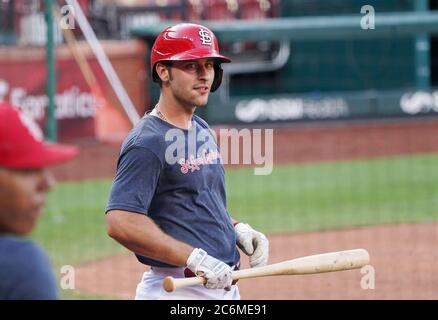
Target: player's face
[
  {"x": 190, "y": 81},
  {"x": 22, "y": 198}
]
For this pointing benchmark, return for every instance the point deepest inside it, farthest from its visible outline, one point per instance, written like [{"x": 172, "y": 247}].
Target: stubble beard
[
  {"x": 187, "y": 103},
  {"x": 190, "y": 104}
]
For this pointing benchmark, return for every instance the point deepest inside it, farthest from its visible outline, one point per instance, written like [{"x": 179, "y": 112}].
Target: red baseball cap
[{"x": 22, "y": 145}]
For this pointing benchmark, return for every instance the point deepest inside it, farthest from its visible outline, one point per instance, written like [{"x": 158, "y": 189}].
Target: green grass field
[{"x": 293, "y": 198}]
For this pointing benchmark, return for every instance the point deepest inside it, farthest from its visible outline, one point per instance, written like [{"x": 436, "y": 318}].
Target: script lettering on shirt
[{"x": 192, "y": 164}]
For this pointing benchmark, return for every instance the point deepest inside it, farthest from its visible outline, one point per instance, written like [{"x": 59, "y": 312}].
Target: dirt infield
[{"x": 403, "y": 256}]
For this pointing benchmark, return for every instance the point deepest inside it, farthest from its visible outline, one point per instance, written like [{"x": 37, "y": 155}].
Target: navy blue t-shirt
[
  {"x": 25, "y": 271},
  {"x": 176, "y": 177}
]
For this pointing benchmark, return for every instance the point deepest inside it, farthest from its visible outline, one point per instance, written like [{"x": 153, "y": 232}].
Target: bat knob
[{"x": 169, "y": 284}]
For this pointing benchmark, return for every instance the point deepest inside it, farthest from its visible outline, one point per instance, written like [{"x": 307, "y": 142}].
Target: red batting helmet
[{"x": 187, "y": 41}]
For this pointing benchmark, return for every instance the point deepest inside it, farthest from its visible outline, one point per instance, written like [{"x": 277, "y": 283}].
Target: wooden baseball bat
[{"x": 319, "y": 263}]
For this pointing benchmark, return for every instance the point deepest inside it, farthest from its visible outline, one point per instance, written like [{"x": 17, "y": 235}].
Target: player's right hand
[{"x": 217, "y": 273}]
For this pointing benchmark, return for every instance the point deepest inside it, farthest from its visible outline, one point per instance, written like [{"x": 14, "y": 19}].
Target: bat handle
[{"x": 170, "y": 284}]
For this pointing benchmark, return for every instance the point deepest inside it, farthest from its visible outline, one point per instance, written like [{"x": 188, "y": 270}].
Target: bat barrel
[
  {"x": 320, "y": 263},
  {"x": 330, "y": 262}
]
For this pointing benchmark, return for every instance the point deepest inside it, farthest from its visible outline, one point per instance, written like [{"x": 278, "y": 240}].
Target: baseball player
[{"x": 171, "y": 210}]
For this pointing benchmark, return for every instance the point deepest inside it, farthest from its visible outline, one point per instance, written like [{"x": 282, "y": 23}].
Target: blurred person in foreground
[{"x": 25, "y": 270}]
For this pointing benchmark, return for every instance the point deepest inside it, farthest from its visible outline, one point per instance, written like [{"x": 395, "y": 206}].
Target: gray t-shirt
[
  {"x": 25, "y": 271},
  {"x": 177, "y": 178}
]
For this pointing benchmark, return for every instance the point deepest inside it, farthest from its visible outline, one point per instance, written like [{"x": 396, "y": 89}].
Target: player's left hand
[{"x": 253, "y": 243}]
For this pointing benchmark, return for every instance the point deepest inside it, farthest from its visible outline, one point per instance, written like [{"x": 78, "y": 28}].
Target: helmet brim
[
  {"x": 193, "y": 54},
  {"x": 197, "y": 53}
]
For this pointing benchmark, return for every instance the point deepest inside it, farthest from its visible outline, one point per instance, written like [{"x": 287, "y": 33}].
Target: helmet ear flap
[{"x": 218, "y": 73}]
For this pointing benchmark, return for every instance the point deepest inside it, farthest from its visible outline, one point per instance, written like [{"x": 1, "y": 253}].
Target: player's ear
[{"x": 163, "y": 71}]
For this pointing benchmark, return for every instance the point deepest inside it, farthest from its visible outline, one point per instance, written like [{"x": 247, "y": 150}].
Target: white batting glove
[
  {"x": 253, "y": 243},
  {"x": 217, "y": 273}
]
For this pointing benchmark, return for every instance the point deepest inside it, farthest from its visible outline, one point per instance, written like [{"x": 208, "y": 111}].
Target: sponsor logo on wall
[
  {"x": 281, "y": 109},
  {"x": 72, "y": 103},
  {"x": 419, "y": 102}
]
